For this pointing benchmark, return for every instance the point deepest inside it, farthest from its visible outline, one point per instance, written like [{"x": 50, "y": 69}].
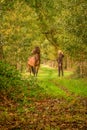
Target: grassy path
[
  {"x": 61, "y": 86},
  {"x": 47, "y": 103},
  {"x": 65, "y": 101}
]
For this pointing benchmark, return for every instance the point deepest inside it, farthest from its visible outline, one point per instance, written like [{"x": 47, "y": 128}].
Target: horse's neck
[{"x": 37, "y": 56}]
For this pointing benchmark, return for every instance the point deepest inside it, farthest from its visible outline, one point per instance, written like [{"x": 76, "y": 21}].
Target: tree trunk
[{"x": 1, "y": 52}]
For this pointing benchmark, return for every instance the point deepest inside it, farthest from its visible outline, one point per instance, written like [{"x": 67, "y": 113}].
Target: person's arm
[{"x": 62, "y": 55}]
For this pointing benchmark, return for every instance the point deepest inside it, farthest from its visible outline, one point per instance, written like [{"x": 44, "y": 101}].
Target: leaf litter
[{"x": 43, "y": 114}]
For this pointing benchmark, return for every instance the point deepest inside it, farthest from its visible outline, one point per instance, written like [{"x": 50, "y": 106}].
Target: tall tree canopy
[{"x": 60, "y": 24}]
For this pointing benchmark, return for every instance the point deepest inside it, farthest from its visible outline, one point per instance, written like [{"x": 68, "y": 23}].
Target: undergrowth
[{"x": 29, "y": 103}]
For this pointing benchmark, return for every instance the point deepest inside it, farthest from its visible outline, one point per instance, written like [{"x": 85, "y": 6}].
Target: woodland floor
[{"x": 44, "y": 114}]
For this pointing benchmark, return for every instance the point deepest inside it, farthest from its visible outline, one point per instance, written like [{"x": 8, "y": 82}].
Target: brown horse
[
  {"x": 60, "y": 62},
  {"x": 34, "y": 61}
]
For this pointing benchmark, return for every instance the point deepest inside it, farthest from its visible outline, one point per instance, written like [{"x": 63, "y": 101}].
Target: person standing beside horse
[
  {"x": 60, "y": 62},
  {"x": 34, "y": 61}
]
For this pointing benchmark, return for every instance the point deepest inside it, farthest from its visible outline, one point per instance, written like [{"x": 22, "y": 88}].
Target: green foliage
[
  {"x": 19, "y": 31},
  {"x": 8, "y": 76},
  {"x": 10, "y": 80},
  {"x": 36, "y": 89},
  {"x": 80, "y": 72},
  {"x": 7, "y": 4},
  {"x": 52, "y": 24},
  {"x": 11, "y": 83}
]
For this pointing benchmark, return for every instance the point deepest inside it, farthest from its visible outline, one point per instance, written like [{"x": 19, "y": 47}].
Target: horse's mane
[{"x": 36, "y": 50}]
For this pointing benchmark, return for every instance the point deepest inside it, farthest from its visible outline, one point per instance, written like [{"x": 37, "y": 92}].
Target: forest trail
[
  {"x": 46, "y": 114},
  {"x": 45, "y": 102},
  {"x": 47, "y": 105}
]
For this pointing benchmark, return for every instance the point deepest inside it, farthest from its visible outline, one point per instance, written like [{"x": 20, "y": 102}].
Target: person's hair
[{"x": 60, "y": 52}]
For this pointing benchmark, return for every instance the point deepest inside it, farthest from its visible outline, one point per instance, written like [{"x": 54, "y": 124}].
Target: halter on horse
[{"x": 34, "y": 61}]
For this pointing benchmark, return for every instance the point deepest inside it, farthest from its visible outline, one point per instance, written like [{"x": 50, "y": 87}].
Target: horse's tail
[{"x": 33, "y": 70}]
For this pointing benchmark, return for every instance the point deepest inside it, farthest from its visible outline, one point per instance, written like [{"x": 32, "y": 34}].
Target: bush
[
  {"x": 9, "y": 76},
  {"x": 81, "y": 71},
  {"x": 11, "y": 83},
  {"x": 16, "y": 88}
]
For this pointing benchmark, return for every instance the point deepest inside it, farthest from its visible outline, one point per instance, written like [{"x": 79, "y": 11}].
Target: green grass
[
  {"x": 51, "y": 89},
  {"x": 48, "y": 83},
  {"x": 49, "y": 75},
  {"x": 77, "y": 86}
]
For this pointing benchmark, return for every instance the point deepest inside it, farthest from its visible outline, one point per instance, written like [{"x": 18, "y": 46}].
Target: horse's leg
[
  {"x": 59, "y": 69},
  {"x": 36, "y": 71},
  {"x": 29, "y": 69},
  {"x": 62, "y": 70},
  {"x": 33, "y": 70},
  {"x": 37, "y": 68}
]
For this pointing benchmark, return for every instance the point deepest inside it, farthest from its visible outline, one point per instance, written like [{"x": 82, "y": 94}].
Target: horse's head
[{"x": 36, "y": 50}]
